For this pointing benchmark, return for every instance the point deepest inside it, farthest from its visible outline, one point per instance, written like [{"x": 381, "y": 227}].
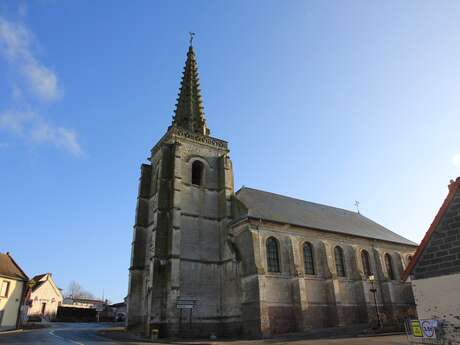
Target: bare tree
[{"x": 75, "y": 290}]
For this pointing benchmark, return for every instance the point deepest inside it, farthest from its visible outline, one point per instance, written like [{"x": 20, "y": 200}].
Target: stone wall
[
  {"x": 292, "y": 300},
  {"x": 442, "y": 254},
  {"x": 184, "y": 247},
  {"x": 180, "y": 249},
  {"x": 437, "y": 299}
]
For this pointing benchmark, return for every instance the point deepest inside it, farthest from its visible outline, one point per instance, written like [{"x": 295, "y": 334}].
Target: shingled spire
[{"x": 189, "y": 113}]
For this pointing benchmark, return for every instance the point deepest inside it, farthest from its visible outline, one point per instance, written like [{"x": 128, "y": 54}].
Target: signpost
[{"x": 185, "y": 303}]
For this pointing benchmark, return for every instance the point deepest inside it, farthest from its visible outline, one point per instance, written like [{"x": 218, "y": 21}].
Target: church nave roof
[{"x": 283, "y": 209}]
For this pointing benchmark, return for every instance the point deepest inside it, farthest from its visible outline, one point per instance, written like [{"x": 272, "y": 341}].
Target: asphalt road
[
  {"x": 61, "y": 334},
  {"x": 89, "y": 334}
]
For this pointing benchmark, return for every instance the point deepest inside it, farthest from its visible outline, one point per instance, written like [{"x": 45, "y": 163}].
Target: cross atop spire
[{"x": 189, "y": 113}]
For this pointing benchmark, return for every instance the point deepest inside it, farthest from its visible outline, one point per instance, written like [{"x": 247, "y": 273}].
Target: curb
[{"x": 14, "y": 331}]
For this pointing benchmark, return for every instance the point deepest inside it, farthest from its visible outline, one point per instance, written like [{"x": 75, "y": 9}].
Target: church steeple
[{"x": 189, "y": 113}]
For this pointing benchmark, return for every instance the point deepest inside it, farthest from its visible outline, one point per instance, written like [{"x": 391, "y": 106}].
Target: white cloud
[
  {"x": 456, "y": 159},
  {"x": 15, "y": 44},
  {"x": 20, "y": 119},
  {"x": 60, "y": 137},
  {"x": 15, "y": 121}
]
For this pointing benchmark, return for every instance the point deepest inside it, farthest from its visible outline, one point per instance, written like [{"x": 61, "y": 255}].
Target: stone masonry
[{"x": 196, "y": 240}]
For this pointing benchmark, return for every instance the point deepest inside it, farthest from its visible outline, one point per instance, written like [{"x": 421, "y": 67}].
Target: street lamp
[{"x": 374, "y": 290}]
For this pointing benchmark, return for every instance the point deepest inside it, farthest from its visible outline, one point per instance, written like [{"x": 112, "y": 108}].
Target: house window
[
  {"x": 409, "y": 258},
  {"x": 4, "y": 288},
  {"x": 273, "y": 260},
  {"x": 366, "y": 263},
  {"x": 339, "y": 261},
  {"x": 308, "y": 261},
  {"x": 389, "y": 266},
  {"x": 197, "y": 173}
]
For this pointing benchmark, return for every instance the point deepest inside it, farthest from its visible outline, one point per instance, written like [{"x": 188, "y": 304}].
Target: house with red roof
[{"x": 434, "y": 270}]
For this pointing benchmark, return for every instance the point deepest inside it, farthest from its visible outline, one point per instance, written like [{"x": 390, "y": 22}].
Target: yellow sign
[{"x": 416, "y": 329}]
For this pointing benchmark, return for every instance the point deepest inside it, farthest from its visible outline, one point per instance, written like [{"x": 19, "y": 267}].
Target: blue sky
[{"x": 327, "y": 101}]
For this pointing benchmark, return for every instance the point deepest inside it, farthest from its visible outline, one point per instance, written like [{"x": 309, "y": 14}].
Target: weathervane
[
  {"x": 357, "y": 206},
  {"x": 191, "y": 37}
]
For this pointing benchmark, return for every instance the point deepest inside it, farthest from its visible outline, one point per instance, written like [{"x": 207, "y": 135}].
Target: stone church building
[{"x": 208, "y": 260}]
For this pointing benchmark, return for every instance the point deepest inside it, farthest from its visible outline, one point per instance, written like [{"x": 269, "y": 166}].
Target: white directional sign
[{"x": 185, "y": 303}]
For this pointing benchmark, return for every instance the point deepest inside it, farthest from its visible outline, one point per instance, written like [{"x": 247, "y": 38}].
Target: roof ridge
[
  {"x": 286, "y": 209},
  {"x": 306, "y": 201}
]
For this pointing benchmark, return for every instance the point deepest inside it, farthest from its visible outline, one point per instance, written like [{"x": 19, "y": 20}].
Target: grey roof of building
[
  {"x": 283, "y": 209},
  {"x": 9, "y": 268}
]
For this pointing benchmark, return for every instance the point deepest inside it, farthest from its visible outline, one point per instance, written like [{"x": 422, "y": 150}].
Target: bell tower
[{"x": 182, "y": 268}]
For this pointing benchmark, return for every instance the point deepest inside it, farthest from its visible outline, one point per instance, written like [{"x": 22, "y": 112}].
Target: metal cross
[
  {"x": 191, "y": 37},
  {"x": 357, "y": 206}
]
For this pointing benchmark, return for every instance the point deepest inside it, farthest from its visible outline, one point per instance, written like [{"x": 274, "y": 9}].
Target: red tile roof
[{"x": 453, "y": 187}]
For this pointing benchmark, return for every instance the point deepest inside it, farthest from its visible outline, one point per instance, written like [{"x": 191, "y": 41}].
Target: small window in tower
[{"x": 197, "y": 173}]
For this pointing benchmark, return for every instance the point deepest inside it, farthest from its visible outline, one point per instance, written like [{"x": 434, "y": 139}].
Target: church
[{"x": 207, "y": 260}]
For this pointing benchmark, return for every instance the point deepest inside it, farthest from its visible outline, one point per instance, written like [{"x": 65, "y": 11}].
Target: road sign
[{"x": 185, "y": 303}]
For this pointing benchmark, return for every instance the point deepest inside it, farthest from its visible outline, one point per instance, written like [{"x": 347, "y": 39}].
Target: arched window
[
  {"x": 273, "y": 260},
  {"x": 197, "y": 173},
  {"x": 308, "y": 261},
  {"x": 339, "y": 261},
  {"x": 409, "y": 259},
  {"x": 389, "y": 266},
  {"x": 366, "y": 263}
]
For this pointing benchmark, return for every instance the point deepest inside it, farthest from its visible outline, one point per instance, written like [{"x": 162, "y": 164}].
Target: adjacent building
[
  {"x": 206, "y": 260},
  {"x": 43, "y": 297},
  {"x": 13, "y": 282},
  {"x": 84, "y": 303},
  {"x": 435, "y": 269}
]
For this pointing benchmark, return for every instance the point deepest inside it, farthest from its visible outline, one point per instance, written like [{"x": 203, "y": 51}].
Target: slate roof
[
  {"x": 283, "y": 209},
  {"x": 9, "y": 268},
  {"x": 454, "y": 186}
]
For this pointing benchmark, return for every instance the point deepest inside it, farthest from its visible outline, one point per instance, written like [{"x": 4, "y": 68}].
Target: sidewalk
[{"x": 120, "y": 335}]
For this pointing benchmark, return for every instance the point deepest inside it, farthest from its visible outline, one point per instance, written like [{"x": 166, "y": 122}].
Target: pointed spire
[{"x": 189, "y": 113}]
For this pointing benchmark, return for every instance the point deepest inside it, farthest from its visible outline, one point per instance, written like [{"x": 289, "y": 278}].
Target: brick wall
[{"x": 442, "y": 254}]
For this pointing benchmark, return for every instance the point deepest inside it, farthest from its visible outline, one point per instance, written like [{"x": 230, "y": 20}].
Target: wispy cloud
[
  {"x": 15, "y": 120},
  {"x": 33, "y": 128},
  {"x": 20, "y": 119},
  {"x": 62, "y": 138},
  {"x": 15, "y": 43}
]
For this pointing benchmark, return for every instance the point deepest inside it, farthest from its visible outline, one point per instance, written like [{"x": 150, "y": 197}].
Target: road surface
[{"x": 90, "y": 334}]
